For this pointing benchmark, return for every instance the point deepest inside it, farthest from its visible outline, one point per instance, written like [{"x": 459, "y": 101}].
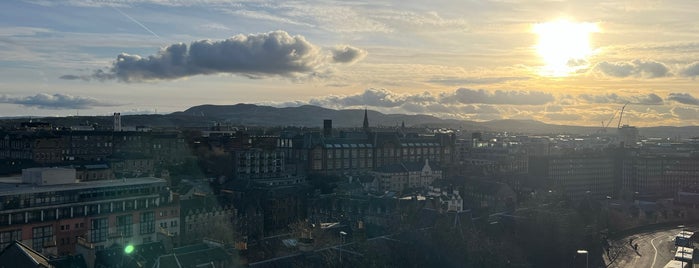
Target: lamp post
[{"x": 587, "y": 258}]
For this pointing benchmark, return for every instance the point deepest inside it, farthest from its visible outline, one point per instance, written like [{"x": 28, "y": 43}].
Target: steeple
[{"x": 365, "y": 126}]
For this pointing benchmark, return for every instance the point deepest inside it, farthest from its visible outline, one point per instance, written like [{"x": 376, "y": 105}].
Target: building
[
  {"x": 659, "y": 175},
  {"x": 51, "y": 214},
  {"x": 405, "y": 175},
  {"x": 257, "y": 163},
  {"x": 494, "y": 196},
  {"x": 205, "y": 217},
  {"x": 366, "y": 151},
  {"x": 628, "y": 136},
  {"x": 576, "y": 175}
]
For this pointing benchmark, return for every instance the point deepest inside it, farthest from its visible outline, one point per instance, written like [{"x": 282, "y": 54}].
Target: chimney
[
  {"x": 117, "y": 121},
  {"x": 327, "y": 128}
]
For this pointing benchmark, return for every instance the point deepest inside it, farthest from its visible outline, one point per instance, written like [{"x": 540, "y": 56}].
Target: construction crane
[
  {"x": 621, "y": 115},
  {"x": 604, "y": 127}
]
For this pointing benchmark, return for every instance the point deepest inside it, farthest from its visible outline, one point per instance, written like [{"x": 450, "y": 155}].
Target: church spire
[{"x": 365, "y": 126}]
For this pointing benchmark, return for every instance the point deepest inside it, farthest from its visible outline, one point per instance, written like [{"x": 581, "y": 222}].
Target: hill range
[{"x": 313, "y": 116}]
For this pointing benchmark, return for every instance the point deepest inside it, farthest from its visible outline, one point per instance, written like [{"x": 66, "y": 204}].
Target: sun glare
[{"x": 564, "y": 46}]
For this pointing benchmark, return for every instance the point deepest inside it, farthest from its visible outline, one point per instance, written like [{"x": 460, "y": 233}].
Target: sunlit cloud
[{"x": 636, "y": 68}]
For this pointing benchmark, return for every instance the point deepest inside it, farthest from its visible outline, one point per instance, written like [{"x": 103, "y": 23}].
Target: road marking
[
  {"x": 654, "y": 249},
  {"x": 655, "y": 255}
]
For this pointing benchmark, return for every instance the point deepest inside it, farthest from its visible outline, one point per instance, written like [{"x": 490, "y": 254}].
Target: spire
[{"x": 366, "y": 121}]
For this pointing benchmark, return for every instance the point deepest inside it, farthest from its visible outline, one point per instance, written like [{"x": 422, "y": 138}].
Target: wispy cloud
[
  {"x": 645, "y": 99},
  {"x": 513, "y": 97},
  {"x": 474, "y": 80}
]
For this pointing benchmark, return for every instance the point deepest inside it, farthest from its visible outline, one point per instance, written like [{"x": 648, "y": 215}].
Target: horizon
[
  {"x": 561, "y": 63},
  {"x": 31, "y": 117}
]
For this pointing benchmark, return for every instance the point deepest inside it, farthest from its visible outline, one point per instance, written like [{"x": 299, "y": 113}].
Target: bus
[
  {"x": 684, "y": 254},
  {"x": 684, "y": 239}
]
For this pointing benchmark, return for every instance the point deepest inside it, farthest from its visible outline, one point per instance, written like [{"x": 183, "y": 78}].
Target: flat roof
[{"x": 13, "y": 186}]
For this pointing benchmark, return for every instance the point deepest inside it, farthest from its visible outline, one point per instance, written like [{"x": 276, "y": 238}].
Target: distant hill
[
  {"x": 313, "y": 116},
  {"x": 306, "y": 115}
]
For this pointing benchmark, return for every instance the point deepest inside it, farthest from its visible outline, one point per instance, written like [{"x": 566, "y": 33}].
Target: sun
[{"x": 564, "y": 46}]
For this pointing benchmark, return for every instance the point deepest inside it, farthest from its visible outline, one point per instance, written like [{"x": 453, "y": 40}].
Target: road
[{"x": 655, "y": 249}]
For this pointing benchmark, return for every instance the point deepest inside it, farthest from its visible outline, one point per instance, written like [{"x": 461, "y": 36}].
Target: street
[{"x": 655, "y": 249}]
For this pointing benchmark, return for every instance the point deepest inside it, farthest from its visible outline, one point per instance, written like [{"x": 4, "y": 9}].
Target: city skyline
[{"x": 474, "y": 60}]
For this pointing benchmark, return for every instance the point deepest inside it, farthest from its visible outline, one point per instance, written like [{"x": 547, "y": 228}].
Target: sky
[{"x": 559, "y": 62}]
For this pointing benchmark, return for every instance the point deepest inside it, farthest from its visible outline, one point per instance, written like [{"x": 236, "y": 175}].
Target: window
[
  {"x": 7, "y": 237},
  {"x": 99, "y": 230},
  {"x": 147, "y": 222},
  {"x": 124, "y": 224},
  {"x": 40, "y": 236}
]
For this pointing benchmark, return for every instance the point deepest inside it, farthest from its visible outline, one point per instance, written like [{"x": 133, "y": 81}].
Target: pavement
[{"x": 655, "y": 249}]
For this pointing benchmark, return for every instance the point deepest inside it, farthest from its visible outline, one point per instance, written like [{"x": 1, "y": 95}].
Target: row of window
[
  {"x": 77, "y": 211},
  {"x": 99, "y": 230}
]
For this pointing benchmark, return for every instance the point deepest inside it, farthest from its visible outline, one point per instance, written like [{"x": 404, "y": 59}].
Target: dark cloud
[
  {"x": 647, "y": 99},
  {"x": 255, "y": 55},
  {"x": 71, "y": 77},
  {"x": 348, "y": 54},
  {"x": 56, "y": 101},
  {"x": 684, "y": 98},
  {"x": 466, "y": 96},
  {"x": 685, "y": 113},
  {"x": 636, "y": 68},
  {"x": 691, "y": 70},
  {"x": 474, "y": 81}
]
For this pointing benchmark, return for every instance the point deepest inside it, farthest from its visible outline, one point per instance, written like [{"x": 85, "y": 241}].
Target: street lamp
[{"x": 587, "y": 258}]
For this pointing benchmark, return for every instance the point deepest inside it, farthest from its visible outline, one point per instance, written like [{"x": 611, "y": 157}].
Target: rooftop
[{"x": 14, "y": 185}]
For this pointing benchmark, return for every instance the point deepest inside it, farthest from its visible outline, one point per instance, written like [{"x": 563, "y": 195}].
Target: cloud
[
  {"x": 691, "y": 70},
  {"x": 685, "y": 113},
  {"x": 370, "y": 97},
  {"x": 256, "y": 55},
  {"x": 474, "y": 81},
  {"x": 646, "y": 99},
  {"x": 636, "y": 68},
  {"x": 386, "y": 98},
  {"x": 56, "y": 101},
  {"x": 684, "y": 98},
  {"x": 563, "y": 116},
  {"x": 465, "y": 96},
  {"x": 348, "y": 54}
]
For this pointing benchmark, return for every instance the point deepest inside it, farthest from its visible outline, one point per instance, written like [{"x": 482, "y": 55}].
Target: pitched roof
[{"x": 19, "y": 255}]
